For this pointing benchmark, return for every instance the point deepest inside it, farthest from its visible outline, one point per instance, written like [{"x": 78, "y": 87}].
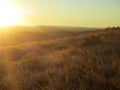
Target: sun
[{"x": 9, "y": 14}]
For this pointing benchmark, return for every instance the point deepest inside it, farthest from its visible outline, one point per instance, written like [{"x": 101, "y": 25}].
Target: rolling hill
[{"x": 75, "y": 61}]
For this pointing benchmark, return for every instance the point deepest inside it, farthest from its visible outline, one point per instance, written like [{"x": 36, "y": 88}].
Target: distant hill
[
  {"x": 49, "y": 28},
  {"x": 24, "y": 34}
]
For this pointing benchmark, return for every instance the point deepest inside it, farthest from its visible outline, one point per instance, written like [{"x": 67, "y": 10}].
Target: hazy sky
[{"x": 88, "y": 13}]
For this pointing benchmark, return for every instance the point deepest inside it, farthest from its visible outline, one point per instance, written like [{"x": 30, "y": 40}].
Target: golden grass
[{"x": 89, "y": 61}]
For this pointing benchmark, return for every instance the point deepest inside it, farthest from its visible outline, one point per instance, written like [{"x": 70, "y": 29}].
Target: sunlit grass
[{"x": 86, "y": 61}]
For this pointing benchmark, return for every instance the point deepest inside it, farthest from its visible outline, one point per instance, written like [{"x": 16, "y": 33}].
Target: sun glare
[{"x": 9, "y": 14}]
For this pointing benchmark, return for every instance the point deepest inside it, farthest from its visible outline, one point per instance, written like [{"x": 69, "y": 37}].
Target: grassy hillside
[{"x": 87, "y": 61}]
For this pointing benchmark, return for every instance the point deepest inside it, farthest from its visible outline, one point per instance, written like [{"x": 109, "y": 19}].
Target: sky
[{"x": 84, "y": 13}]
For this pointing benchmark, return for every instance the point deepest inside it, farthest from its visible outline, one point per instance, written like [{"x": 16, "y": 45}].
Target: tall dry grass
[{"x": 89, "y": 61}]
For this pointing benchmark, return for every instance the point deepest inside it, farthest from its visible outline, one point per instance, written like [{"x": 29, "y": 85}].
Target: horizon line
[{"x": 57, "y": 26}]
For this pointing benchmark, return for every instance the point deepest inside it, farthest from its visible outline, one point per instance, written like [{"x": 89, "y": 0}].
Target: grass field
[{"x": 74, "y": 61}]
